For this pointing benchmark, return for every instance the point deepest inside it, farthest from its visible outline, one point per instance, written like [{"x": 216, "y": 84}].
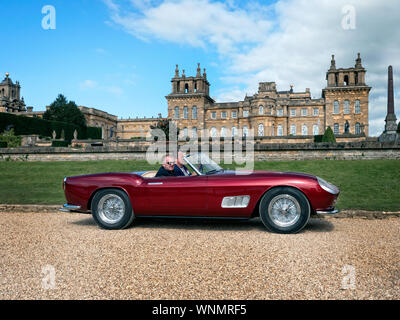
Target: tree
[
  {"x": 165, "y": 126},
  {"x": 66, "y": 111},
  {"x": 398, "y": 128},
  {"x": 328, "y": 136}
]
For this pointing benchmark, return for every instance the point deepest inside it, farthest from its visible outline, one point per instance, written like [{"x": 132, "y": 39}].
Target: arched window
[
  {"x": 194, "y": 112},
  {"x": 304, "y": 130},
  {"x": 293, "y": 129},
  {"x": 194, "y": 132},
  {"x": 185, "y": 112},
  {"x": 260, "y": 130},
  {"x": 346, "y": 107},
  {"x": 185, "y": 132},
  {"x": 279, "y": 130},
  {"x": 357, "y": 107},
  {"x": 234, "y": 131},
  {"x": 336, "y": 128},
  {"x": 186, "y": 88},
  {"x": 346, "y": 80},
  {"x": 261, "y": 110},
  {"x": 358, "y": 128},
  {"x": 245, "y": 131},
  {"x": 336, "y": 107},
  {"x": 272, "y": 130},
  {"x": 176, "y": 113},
  {"x": 213, "y": 132},
  {"x": 315, "y": 129},
  {"x": 223, "y": 132}
]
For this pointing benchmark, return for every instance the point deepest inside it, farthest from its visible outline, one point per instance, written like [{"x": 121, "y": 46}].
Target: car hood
[{"x": 265, "y": 173}]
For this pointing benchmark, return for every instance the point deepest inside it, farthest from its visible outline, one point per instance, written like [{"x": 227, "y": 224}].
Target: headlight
[{"x": 328, "y": 187}]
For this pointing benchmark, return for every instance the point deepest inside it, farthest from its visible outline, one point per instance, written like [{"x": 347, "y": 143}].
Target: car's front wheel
[
  {"x": 112, "y": 209},
  {"x": 284, "y": 210}
]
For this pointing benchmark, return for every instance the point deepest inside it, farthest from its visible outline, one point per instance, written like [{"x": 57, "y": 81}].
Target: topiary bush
[{"x": 328, "y": 135}]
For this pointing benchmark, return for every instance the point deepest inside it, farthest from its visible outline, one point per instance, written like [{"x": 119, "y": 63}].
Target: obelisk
[{"x": 390, "y": 127}]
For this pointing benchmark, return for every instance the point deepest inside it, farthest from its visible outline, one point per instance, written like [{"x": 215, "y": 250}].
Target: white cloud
[
  {"x": 289, "y": 42},
  {"x": 88, "y": 84}
]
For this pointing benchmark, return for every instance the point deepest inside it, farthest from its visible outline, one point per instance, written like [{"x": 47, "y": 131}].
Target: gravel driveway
[{"x": 54, "y": 255}]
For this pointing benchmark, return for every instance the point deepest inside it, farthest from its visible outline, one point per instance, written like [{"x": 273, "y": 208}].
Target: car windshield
[{"x": 202, "y": 164}]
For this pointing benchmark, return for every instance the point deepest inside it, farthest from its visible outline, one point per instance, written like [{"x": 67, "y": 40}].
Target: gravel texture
[{"x": 348, "y": 258}]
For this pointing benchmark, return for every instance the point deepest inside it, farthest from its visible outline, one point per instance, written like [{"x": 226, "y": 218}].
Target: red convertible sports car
[{"x": 283, "y": 200}]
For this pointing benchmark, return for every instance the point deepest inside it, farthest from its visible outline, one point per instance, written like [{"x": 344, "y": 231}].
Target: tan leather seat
[{"x": 149, "y": 174}]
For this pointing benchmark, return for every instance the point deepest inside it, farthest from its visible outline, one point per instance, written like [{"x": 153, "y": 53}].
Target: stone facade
[
  {"x": 343, "y": 106},
  {"x": 135, "y": 128},
  {"x": 10, "y": 99},
  {"x": 268, "y": 113}
]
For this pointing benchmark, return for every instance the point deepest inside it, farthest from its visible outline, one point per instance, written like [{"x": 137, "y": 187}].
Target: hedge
[
  {"x": 26, "y": 125},
  {"x": 59, "y": 143},
  {"x": 3, "y": 144}
]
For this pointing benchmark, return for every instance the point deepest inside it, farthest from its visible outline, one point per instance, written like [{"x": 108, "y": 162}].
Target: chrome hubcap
[
  {"x": 111, "y": 208},
  {"x": 284, "y": 210}
]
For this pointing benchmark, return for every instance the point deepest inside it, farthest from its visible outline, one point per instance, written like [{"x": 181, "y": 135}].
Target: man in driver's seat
[{"x": 167, "y": 168}]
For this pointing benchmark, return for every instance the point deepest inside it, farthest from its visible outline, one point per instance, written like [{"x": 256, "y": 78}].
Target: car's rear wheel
[
  {"x": 112, "y": 209},
  {"x": 284, "y": 210}
]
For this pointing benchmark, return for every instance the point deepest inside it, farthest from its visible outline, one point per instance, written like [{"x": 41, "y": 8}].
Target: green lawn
[{"x": 364, "y": 184}]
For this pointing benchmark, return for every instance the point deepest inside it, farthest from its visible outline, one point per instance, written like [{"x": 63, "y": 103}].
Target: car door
[{"x": 176, "y": 196}]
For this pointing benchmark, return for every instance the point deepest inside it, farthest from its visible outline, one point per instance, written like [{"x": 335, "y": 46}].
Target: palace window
[
  {"x": 279, "y": 112},
  {"x": 185, "y": 112},
  {"x": 223, "y": 115},
  {"x": 234, "y": 131},
  {"x": 357, "y": 107},
  {"x": 358, "y": 128},
  {"x": 346, "y": 107},
  {"x": 315, "y": 129},
  {"x": 234, "y": 114},
  {"x": 279, "y": 130},
  {"x": 293, "y": 112},
  {"x": 185, "y": 132},
  {"x": 194, "y": 112},
  {"x": 176, "y": 113},
  {"x": 261, "y": 130},
  {"x": 223, "y": 132},
  {"x": 336, "y": 128},
  {"x": 304, "y": 112},
  {"x": 261, "y": 110},
  {"x": 304, "y": 130},
  {"x": 335, "y": 107},
  {"x": 245, "y": 113},
  {"x": 213, "y": 132},
  {"x": 194, "y": 132},
  {"x": 293, "y": 129},
  {"x": 315, "y": 111},
  {"x": 213, "y": 115},
  {"x": 245, "y": 131}
]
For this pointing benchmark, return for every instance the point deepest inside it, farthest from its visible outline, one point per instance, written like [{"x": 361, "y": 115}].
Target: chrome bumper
[
  {"x": 333, "y": 211},
  {"x": 69, "y": 207}
]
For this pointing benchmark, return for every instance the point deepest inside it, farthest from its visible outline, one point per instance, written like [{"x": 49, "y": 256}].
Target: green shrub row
[
  {"x": 26, "y": 125},
  {"x": 59, "y": 143}
]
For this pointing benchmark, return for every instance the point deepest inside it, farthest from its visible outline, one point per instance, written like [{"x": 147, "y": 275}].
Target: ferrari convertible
[{"x": 284, "y": 201}]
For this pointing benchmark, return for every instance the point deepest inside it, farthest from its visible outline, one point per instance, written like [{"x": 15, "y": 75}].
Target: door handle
[{"x": 154, "y": 183}]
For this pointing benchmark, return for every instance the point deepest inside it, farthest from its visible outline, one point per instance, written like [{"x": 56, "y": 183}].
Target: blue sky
[{"x": 119, "y": 55}]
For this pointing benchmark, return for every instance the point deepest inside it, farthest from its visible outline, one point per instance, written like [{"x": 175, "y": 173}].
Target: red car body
[{"x": 197, "y": 195}]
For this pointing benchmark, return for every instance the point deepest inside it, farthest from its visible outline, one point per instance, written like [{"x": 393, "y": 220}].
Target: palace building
[{"x": 269, "y": 113}]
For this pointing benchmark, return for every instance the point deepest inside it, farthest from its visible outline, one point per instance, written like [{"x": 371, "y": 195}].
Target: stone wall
[{"x": 262, "y": 152}]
